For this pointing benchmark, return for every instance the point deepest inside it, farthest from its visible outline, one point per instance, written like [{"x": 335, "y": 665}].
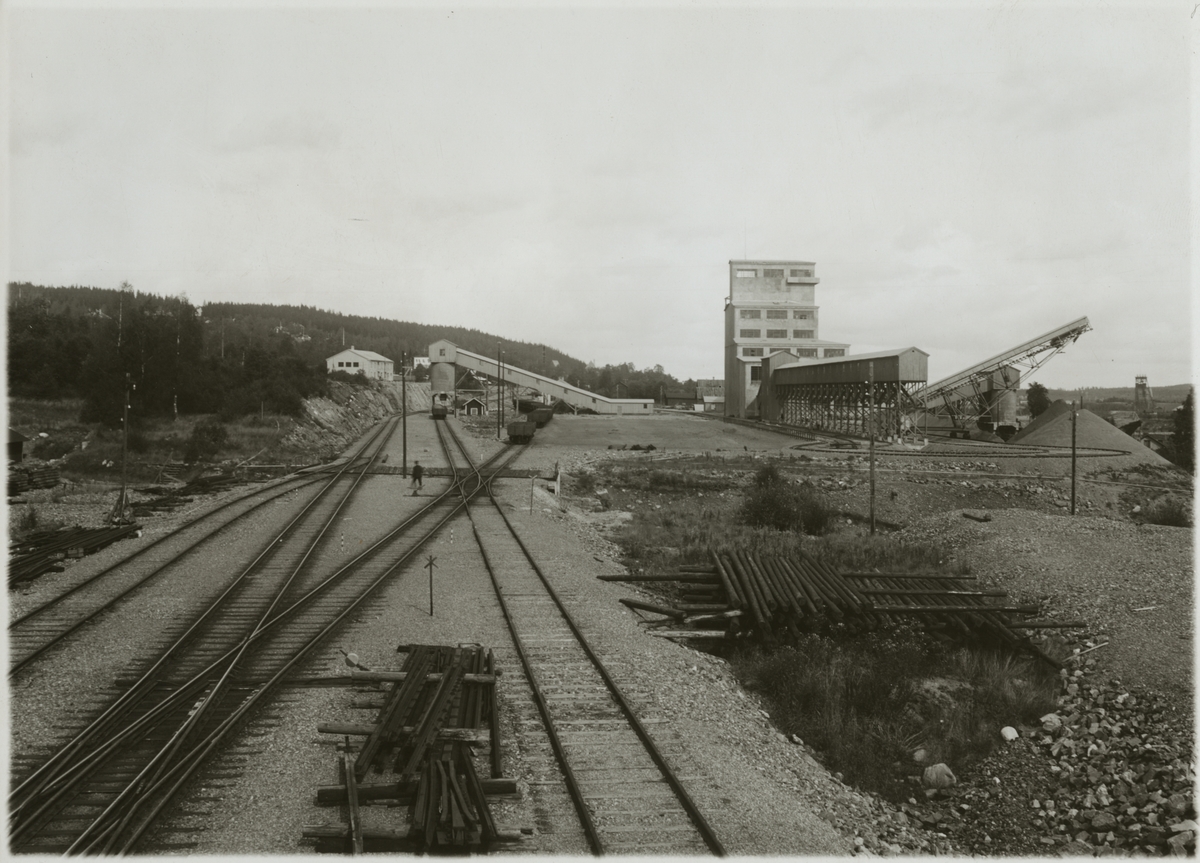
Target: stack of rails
[
  {"x": 170, "y": 498},
  {"x": 44, "y": 551},
  {"x": 441, "y": 703},
  {"x": 769, "y": 597}
]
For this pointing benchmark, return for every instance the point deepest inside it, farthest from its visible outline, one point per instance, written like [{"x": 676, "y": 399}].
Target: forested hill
[
  {"x": 231, "y": 358},
  {"x": 329, "y": 330}
]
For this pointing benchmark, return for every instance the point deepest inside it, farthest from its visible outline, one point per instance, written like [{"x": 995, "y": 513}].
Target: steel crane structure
[{"x": 984, "y": 395}]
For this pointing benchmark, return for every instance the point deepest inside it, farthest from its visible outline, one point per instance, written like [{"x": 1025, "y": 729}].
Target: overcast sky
[{"x": 965, "y": 176}]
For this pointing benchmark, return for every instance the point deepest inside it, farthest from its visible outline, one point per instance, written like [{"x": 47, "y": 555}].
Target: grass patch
[{"x": 866, "y": 704}]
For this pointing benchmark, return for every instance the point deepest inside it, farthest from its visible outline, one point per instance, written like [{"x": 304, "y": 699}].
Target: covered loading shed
[{"x": 834, "y": 395}]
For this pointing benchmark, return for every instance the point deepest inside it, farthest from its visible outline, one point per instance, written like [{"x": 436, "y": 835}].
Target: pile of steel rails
[
  {"x": 167, "y": 499},
  {"x": 766, "y": 597},
  {"x": 440, "y": 705},
  {"x": 44, "y": 551}
]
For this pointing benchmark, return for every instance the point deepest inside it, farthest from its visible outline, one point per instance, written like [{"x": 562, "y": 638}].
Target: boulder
[
  {"x": 1009, "y": 733},
  {"x": 938, "y": 776}
]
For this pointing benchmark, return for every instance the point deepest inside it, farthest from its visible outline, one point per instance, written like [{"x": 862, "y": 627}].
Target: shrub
[
  {"x": 774, "y": 501},
  {"x": 51, "y": 448},
  {"x": 1170, "y": 511},
  {"x": 584, "y": 482},
  {"x": 205, "y": 442},
  {"x": 138, "y": 442},
  {"x": 348, "y": 378},
  {"x": 28, "y": 521}
]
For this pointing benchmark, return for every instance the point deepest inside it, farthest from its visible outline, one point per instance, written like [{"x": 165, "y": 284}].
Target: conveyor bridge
[{"x": 446, "y": 352}]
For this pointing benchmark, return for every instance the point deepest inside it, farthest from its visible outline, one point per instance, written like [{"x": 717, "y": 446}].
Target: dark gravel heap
[{"x": 1108, "y": 773}]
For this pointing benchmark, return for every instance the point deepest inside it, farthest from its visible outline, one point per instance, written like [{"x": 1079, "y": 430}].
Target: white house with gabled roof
[{"x": 356, "y": 361}]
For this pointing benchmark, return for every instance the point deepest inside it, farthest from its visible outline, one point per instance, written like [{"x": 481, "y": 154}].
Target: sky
[{"x": 966, "y": 176}]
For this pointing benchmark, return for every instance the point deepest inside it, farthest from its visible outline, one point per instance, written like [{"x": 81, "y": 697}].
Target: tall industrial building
[{"x": 771, "y": 307}]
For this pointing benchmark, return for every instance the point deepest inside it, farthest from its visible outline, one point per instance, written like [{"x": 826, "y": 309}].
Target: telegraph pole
[
  {"x": 499, "y": 397},
  {"x": 871, "y": 433},
  {"x": 1074, "y": 416},
  {"x": 404, "y": 413}
]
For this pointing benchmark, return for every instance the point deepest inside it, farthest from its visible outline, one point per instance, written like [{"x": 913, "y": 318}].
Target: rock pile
[
  {"x": 1109, "y": 772},
  {"x": 1125, "y": 774}
]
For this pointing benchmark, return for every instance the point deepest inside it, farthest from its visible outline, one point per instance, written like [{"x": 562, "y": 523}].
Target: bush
[
  {"x": 1169, "y": 511},
  {"x": 51, "y": 448},
  {"x": 205, "y": 442},
  {"x": 28, "y": 521},
  {"x": 348, "y": 378},
  {"x": 774, "y": 501},
  {"x": 138, "y": 442}
]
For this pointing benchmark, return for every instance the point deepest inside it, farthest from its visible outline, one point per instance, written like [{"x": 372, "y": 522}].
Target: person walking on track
[{"x": 417, "y": 473}]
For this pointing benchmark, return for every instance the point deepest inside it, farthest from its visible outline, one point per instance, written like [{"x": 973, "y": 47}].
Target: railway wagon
[
  {"x": 521, "y": 431},
  {"x": 541, "y": 416},
  {"x": 441, "y": 406}
]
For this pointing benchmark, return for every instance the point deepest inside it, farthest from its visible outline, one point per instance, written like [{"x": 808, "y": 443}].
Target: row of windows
[
  {"x": 770, "y": 273},
  {"x": 756, "y": 371},
  {"x": 776, "y": 334},
  {"x": 342, "y": 365},
  {"x": 772, "y": 314}
]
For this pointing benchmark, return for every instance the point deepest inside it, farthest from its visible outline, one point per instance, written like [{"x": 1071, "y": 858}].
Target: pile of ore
[{"x": 1124, "y": 768}]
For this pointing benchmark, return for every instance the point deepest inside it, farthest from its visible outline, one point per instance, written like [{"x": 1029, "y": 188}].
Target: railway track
[
  {"x": 34, "y": 632},
  {"x": 102, "y": 789},
  {"x": 627, "y": 797},
  {"x": 105, "y": 789}
]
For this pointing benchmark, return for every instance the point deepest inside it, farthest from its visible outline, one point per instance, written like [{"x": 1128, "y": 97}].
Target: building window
[
  {"x": 755, "y": 373},
  {"x": 441, "y": 352},
  {"x": 835, "y": 352},
  {"x": 802, "y": 334},
  {"x": 752, "y": 352},
  {"x": 806, "y": 352},
  {"x": 772, "y": 274},
  {"x": 800, "y": 316},
  {"x": 776, "y": 334},
  {"x": 747, "y": 274},
  {"x": 750, "y": 334},
  {"x": 777, "y": 314},
  {"x": 795, "y": 273},
  {"x": 751, "y": 314}
]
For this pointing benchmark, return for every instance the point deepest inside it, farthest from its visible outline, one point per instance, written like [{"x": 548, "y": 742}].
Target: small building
[
  {"x": 356, "y": 361},
  {"x": 474, "y": 407},
  {"x": 16, "y": 445},
  {"x": 420, "y": 361}
]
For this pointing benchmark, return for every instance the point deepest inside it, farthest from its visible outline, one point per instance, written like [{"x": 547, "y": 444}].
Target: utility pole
[
  {"x": 871, "y": 433},
  {"x": 118, "y": 514},
  {"x": 1074, "y": 416},
  {"x": 499, "y": 397},
  {"x": 403, "y": 413}
]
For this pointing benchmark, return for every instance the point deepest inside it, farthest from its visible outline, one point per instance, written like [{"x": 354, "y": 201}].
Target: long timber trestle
[{"x": 846, "y": 407}]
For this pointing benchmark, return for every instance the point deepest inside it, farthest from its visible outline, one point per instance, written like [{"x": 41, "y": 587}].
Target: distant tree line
[{"x": 233, "y": 358}]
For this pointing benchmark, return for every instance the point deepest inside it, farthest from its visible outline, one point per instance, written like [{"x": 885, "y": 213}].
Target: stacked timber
[
  {"x": 772, "y": 597},
  {"x": 22, "y": 478}
]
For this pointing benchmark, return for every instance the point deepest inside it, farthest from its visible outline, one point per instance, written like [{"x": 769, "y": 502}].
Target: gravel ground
[{"x": 1132, "y": 584}]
